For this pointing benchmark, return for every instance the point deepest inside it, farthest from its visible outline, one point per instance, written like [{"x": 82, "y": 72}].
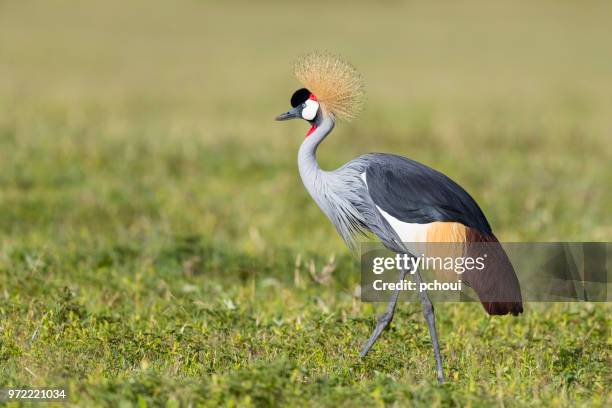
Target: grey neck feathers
[
  {"x": 307, "y": 155},
  {"x": 337, "y": 192}
]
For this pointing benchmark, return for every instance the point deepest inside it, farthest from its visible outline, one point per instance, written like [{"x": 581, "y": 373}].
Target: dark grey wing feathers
[{"x": 415, "y": 193}]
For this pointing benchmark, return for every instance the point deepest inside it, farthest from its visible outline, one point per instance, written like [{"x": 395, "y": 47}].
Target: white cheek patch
[{"x": 310, "y": 111}]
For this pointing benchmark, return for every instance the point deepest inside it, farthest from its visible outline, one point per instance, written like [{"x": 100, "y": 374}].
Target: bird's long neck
[{"x": 307, "y": 155}]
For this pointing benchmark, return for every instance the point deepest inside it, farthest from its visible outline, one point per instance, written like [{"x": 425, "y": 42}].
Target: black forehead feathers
[{"x": 300, "y": 96}]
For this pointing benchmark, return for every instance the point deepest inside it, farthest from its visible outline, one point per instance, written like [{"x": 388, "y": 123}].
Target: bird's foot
[{"x": 382, "y": 322}]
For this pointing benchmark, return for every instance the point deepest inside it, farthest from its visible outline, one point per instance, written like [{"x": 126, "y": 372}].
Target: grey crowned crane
[{"x": 397, "y": 199}]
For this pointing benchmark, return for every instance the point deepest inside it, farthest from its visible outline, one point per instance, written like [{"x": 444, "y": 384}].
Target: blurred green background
[{"x": 152, "y": 216}]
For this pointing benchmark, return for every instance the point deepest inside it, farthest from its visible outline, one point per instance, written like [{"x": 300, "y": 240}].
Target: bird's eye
[{"x": 303, "y": 105}]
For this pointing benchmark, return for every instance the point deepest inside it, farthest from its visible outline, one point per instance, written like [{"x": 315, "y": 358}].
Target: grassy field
[{"x": 156, "y": 243}]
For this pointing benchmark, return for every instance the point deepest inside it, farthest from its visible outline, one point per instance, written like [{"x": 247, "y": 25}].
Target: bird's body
[
  {"x": 397, "y": 199},
  {"x": 402, "y": 201}
]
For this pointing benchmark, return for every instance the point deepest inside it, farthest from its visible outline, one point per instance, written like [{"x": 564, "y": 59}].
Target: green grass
[{"x": 152, "y": 217}]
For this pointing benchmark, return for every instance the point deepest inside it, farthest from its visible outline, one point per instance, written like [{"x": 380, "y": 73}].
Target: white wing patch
[
  {"x": 408, "y": 232},
  {"x": 413, "y": 236}
]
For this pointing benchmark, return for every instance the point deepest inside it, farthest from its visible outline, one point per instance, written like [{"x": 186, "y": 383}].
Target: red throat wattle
[{"x": 312, "y": 129}]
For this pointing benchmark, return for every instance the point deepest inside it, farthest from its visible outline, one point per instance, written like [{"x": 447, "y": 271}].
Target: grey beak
[{"x": 292, "y": 114}]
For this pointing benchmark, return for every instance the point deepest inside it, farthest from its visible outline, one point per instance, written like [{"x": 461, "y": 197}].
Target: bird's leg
[
  {"x": 428, "y": 312},
  {"x": 384, "y": 319}
]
